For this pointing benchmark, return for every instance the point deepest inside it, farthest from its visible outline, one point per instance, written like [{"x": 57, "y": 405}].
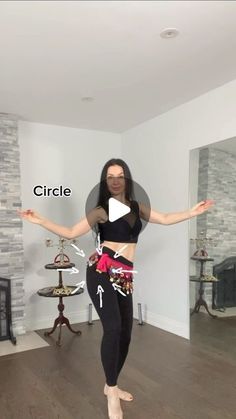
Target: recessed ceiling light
[
  {"x": 87, "y": 99},
  {"x": 169, "y": 33}
]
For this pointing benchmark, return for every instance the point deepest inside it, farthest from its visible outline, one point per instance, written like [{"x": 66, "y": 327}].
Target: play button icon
[{"x": 116, "y": 209}]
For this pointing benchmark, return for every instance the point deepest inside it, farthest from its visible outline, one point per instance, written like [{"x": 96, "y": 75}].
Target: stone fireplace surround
[{"x": 11, "y": 237}]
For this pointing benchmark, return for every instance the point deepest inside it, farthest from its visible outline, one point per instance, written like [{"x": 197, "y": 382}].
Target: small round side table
[{"x": 60, "y": 291}]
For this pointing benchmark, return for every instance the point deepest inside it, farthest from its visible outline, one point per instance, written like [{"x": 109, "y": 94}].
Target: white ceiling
[{"x": 53, "y": 53}]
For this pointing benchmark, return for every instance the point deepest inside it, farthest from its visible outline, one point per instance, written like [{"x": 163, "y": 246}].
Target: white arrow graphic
[
  {"x": 120, "y": 270},
  {"x": 73, "y": 270},
  {"x": 78, "y": 286},
  {"x": 117, "y": 254},
  {"x": 100, "y": 291},
  {"x": 78, "y": 251},
  {"x": 99, "y": 248},
  {"x": 117, "y": 288}
]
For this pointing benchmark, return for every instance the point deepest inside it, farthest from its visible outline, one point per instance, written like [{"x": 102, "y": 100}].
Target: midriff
[{"x": 128, "y": 252}]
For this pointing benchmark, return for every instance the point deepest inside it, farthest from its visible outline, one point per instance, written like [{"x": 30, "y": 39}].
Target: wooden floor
[{"x": 170, "y": 377}]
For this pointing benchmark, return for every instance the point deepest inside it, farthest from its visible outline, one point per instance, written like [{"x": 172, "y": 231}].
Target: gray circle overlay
[{"x": 139, "y": 195}]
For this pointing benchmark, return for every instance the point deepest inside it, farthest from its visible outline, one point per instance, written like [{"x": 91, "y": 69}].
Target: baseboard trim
[
  {"x": 165, "y": 323},
  {"x": 47, "y": 322},
  {"x": 162, "y": 322}
]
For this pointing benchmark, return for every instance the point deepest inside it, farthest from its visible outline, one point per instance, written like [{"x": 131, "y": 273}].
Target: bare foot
[
  {"x": 123, "y": 395},
  {"x": 113, "y": 403}
]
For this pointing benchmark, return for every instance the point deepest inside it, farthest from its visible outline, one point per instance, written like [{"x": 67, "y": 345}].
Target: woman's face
[{"x": 115, "y": 180}]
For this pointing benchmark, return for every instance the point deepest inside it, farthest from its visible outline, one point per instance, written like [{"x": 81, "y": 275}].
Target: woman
[{"x": 110, "y": 268}]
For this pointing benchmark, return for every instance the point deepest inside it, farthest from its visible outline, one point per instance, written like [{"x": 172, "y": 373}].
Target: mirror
[{"x": 213, "y": 247}]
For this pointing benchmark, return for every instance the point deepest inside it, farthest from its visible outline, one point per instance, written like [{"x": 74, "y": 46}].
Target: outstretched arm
[
  {"x": 174, "y": 217},
  {"x": 79, "y": 229}
]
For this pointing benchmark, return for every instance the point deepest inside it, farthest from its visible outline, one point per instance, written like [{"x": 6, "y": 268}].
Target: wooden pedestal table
[
  {"x": 201, "y": 301},
  {"x": 202, "y": 279},
  {"x": 60, "y": 291}
]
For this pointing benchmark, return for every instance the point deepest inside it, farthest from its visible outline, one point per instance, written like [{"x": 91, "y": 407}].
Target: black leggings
[{"x": 116, "y": 315}]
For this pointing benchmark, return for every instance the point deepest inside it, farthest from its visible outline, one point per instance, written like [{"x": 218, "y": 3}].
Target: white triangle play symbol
[{"x": 116, "y": 209}]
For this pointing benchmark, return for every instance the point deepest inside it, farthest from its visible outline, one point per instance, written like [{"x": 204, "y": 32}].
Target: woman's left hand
[{"x": 201, "y": 207}]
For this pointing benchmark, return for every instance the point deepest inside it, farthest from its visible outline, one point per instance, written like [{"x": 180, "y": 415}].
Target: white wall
[
  {"x": 158, "y": 152},
  {"x": 52, "y": 155}
]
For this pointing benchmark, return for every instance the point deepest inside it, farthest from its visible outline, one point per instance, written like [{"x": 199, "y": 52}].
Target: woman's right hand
[{"x": 31, "y": 215}]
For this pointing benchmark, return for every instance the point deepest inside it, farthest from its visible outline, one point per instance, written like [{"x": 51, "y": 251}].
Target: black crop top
[{"x": 124, "y": 230}]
